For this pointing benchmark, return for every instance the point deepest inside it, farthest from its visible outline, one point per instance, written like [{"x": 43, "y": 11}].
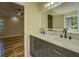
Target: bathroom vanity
[
  {"x": 61, "y": 43},
  {"x": 44, "y": 45}
]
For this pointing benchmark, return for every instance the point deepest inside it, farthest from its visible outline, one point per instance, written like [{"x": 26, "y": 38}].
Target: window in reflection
[{"x": 71, "y": 22}]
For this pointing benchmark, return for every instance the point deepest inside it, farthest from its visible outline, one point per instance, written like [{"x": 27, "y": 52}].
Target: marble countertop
[{"x": 72, "y": 44}]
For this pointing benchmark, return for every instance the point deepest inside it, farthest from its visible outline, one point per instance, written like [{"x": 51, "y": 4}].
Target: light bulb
[
  {"x": 19, "y": 13},
  {"x": 15, "y": 19},
  {"x": 51, "y": 2}
]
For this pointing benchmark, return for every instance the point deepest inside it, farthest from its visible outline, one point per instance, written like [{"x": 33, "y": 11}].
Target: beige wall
[
  {"x": 32, "y": 23},
  {"x": 12, "y": 27},
  {"x": 58, "y": 22},
  {"x": 44, "y": 20},
  {"x": 71, "y": 13}
]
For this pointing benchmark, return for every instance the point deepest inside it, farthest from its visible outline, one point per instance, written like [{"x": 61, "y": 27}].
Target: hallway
[{"x": 11, "y": 30}]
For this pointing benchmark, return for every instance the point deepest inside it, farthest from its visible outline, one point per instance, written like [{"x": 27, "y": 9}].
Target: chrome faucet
[{"x": 65, "y": 32}]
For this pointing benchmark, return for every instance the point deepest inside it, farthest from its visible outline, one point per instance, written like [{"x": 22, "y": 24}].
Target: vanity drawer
[
  {"x": 36, "y": 43},
  {"x": 67, "y": 52},
  {"x": 61, "y": 50}
]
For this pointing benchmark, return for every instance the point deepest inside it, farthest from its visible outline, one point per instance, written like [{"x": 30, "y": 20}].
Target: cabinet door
[
  {"x": 51, "y": 50},
  {"x": 35, "y": 45},
  {"x": 67, "y": 52},
  {"x": 62, "y": 51}
]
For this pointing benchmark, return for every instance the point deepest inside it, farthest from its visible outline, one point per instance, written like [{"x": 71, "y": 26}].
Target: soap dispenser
[{"x": 42, "y": 30}]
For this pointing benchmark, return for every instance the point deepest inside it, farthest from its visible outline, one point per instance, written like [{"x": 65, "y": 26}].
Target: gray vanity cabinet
[{"x": 41, "y": 48}]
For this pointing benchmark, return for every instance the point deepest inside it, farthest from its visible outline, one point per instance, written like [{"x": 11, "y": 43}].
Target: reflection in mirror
[
  {"x": 63, "y": 16},
  {"x": 71, "y": 22}
]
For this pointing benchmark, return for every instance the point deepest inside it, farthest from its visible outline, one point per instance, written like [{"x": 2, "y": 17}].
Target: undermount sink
[
  {"x": 58, "y": 39},
  {"x": 67, "y": 40}
]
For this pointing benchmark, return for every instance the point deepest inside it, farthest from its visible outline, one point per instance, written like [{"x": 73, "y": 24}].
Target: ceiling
[
  {"x": 64, "y": 8},
  {"x": 8, "y": 9},
  {"x": 20, "y": 3}
]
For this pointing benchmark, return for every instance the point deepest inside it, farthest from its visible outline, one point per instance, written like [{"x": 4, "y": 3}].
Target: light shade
[
  {"x": 15, "y": 19},
  {"x": 52, "y": 2}
]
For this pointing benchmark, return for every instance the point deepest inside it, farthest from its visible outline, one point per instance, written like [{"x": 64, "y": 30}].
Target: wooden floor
[{"x": 14, "y": 46}]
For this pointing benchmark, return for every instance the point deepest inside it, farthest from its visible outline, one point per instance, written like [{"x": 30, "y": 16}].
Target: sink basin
[
  {"x": 56, "y": 39},
  {"x": 67, "y": 41}
]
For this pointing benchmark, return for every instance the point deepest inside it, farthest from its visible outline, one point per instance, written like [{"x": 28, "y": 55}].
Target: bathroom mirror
[{"x": 62, "y": 16}]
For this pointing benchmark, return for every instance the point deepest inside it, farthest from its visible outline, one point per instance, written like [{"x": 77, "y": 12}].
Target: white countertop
[{"x": 72, "y": 44}]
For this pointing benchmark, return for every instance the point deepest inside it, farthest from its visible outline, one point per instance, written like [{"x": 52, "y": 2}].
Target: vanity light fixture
[
  {"x": 47, "y": 5},
  {"x": 52, "y": 4},
  {"x": 56, "y": 4},
  {"x": 19, "y": 12}
]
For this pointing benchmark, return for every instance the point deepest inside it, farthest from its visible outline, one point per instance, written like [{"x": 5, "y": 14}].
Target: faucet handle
[
  {"x": 70, "y": 37},
  {"x": 61, "y": 36}
]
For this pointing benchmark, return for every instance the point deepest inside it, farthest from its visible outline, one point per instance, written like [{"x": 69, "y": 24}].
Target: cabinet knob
[
  {"x": 70, "y": 37},
  {"x": 61, "y": 36}
]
